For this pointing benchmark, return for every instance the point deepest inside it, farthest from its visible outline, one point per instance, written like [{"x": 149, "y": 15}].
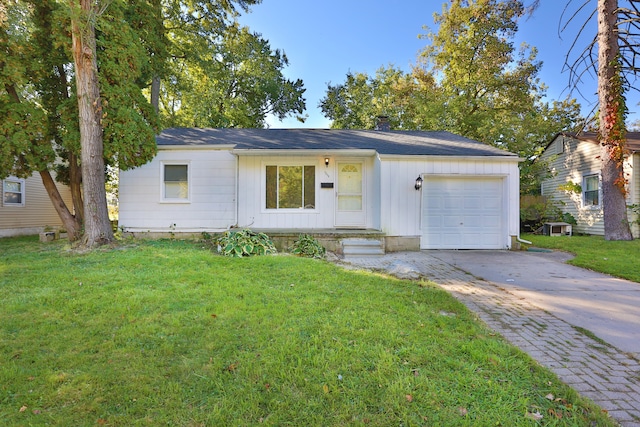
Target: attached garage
[{"x": 463, "y": 213}]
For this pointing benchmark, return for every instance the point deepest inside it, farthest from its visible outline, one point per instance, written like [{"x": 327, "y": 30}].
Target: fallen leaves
[{"x": 536, "y": 416}]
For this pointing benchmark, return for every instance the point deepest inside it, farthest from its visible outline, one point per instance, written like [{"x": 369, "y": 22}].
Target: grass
[
  {"x": 617, "y": 258},
  {"x": 167, "y": 333}
]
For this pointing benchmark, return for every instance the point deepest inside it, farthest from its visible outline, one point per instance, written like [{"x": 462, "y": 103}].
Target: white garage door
[{"x": 462, "y": 213}]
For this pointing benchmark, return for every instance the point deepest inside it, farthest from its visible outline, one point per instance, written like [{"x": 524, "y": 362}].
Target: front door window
[{"x": 350, "y": 187}]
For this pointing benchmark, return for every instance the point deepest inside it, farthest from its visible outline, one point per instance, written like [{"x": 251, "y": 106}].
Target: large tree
[
  {"x": 39, "y": 107},
  {"x": 43, "y": 84},
  {"x": 97, "y": 227},
  {"x": 612, "y": 53},
  {"x": 612, "y": 128}
]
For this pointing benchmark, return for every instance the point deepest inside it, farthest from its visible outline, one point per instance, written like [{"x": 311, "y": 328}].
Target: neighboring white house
[
  {"x": 323, "y": 180},
  {"x": 25, "y": 206},
  {"x": 575, "y": 181}
]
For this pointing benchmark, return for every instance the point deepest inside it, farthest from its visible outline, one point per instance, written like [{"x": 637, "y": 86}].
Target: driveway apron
[{"x": 583, "y": 325}]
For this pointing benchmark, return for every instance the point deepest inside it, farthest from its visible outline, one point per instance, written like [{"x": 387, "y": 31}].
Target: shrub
[
  {"x": 536, "y": 210},
  {"x": 245, "y": 243},
  {"x": 308, "y": 246}
]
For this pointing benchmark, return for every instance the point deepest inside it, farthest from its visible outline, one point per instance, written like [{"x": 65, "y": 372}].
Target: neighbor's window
[
  {"x": 291, "y": 187},
  {"x": 590, "y": 190},
  {"x": 13, "y": 192},
  {"x": 175, "y": 182}
]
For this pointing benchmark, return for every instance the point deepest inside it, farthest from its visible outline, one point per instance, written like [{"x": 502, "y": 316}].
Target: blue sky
[{"x": 324, "y": 40}]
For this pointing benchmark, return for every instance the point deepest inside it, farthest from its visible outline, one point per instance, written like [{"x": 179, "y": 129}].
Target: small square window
[
  {"x": 175, "y": 182},
  {"x": 13, "y": 192},
  {"x": 591, "y": 191}
]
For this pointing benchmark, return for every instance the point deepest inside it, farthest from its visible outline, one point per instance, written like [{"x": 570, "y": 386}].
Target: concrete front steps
[{"x": 358, "y": 247}]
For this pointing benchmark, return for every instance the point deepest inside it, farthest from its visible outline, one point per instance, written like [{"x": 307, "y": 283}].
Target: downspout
[
  {"x": 520, "y": 240},
  {"x": 235, "y": 208}
]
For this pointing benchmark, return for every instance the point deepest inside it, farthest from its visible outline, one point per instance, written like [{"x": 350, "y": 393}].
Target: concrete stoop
[{"x": 362, "y": 247}]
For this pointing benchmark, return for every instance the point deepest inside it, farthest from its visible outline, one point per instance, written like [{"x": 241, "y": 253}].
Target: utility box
[{"x": 557, "y": 229}]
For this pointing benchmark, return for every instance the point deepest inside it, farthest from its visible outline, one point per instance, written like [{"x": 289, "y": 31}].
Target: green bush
[
  {"x": 308, "y": 246},
  {"x": 245, "y": 243},
  {"x": 536, "y": 210}
]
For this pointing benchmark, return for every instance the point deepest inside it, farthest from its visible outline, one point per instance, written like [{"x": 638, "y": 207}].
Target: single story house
[
  {"x": 575, "y": 181},
  {"x": 416, "y": 190},
  {"x": 26, "y": 208}
]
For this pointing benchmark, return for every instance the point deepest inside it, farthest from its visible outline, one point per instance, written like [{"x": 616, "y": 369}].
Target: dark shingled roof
[{"x": 414, "y": 143}]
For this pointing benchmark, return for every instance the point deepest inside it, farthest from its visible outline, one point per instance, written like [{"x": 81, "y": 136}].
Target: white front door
[{"x": 350, "y": 200}]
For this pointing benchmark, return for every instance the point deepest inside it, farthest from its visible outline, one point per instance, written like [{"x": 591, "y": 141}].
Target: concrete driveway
[{"x": 606, "y": 306}]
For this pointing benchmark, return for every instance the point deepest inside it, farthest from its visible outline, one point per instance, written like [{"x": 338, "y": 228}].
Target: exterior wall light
[
  {"x": 326, "y": 161},
  {"x": 418, "y": 185}
]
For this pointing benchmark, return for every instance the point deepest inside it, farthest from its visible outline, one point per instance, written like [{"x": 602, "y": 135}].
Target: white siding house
[
  {"x": 575, "y": 181},
  {"x": 315, "y": 181}
]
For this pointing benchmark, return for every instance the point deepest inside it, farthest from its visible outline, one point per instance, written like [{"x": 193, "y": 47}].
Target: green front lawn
[
  {"x": 618, "y": 259},
  {"x": 167, "y": 333}
]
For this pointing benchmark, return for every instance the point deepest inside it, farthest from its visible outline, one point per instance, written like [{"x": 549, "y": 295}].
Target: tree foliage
[
  {"x": 469, "y": 80},
  {"x": 218, "y": 74},
  {"x": 235, "y": 82},
  {"x": 194, "y": 46}
]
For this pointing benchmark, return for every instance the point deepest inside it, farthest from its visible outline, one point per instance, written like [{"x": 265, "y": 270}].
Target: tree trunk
[
  {"x": 70, "y": 223},
  {"x": 611, "y": 126},
  {"x": 75, "y": 183},
  {"x": 155, "y": 93},
  {"x": 97, "y": 227}
]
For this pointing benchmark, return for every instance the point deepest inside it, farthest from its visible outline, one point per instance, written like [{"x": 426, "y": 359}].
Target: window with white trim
[
  {"x": 175, "y": 182},
  {"x": 290, "y": 187},
  {"x": 591, "y": 190},
  {"x": 13, "y": 192}
]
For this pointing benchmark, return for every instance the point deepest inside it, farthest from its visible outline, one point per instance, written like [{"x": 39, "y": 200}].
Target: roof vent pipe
[{"x": 382, "y": 124}]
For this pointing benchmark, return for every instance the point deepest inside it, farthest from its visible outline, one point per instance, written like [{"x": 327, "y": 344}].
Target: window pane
[
  {"x": 176, "y": 190},
  {"x": 591, "y": 183},
  {"x": 175, "y": 173},
  {"x": 591, "y": 198},
  {"x": 175, "y": 182},
  {"x": 272, "y": 187},
  {"x": 12, "y": 186},
  {"x": 13, "y": 198},
  {"x": 290, "y": 187},
  {"x": 309, "y": 187},
  {"x": 350, "y": 203}
]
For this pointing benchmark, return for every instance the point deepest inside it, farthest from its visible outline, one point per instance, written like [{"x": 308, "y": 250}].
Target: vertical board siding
[
  {"x": 251, "y": 188},
  {"x": 401, "y": 204},
  {"x": 212, "y": 186},
  {"x": 37, "y": 212}
]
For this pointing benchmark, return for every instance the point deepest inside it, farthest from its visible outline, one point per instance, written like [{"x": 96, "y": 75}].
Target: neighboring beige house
[
  {"x": 576, "y": 181},
  {"x": 25, "y": 207}
]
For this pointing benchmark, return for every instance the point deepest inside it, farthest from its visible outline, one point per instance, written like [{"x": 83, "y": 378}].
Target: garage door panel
[
  {"x": 462, "y": 213},
  {"x": 452, "y": 221},
  {"x": 473, "y": 221},
  {"x": 453, "y": 202},
  {"x": 473, "y": 203}
]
